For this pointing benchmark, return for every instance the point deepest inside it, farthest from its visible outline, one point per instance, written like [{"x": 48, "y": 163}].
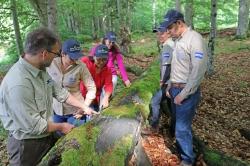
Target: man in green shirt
[{"x": 26, "y": 95}]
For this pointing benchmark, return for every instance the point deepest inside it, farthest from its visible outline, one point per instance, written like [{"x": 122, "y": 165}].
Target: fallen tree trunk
[{"x": 113, "y": 137}]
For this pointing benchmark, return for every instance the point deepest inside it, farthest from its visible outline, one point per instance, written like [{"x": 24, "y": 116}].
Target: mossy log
[{"x": 112, "y": 137}]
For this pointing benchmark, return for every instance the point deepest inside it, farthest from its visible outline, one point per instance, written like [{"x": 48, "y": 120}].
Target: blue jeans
[
  {"x": 182, "y": 116},
  {"x": 69, "y": 119},
  {"x": 155, "y": 103}
]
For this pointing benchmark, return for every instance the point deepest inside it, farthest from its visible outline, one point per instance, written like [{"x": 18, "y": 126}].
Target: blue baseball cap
[
  {"x": 171, "y": 17},
  {"x": 101, "y": 51},
  {"x": 72, "y": 48},
  {"x": 160, "y": 28},
  {"x": 110, "y": 36}
]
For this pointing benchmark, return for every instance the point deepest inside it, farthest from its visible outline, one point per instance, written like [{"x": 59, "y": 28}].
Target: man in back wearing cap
[
  {"x": 188, "y": 67},
  {"x": 69, "y": 71},
  {"x": 97, "y": 65},
  {"x": 165, "y": 63}
]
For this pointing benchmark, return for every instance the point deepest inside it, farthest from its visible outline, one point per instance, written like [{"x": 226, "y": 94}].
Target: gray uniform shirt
[
  {"x": 166, "y": 56},
  {"x": 26, "y": 95},
  {"x": 189, "y": 62}
]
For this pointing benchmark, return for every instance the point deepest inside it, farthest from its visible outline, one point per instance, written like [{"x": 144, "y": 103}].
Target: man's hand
[
  {"x": 66, "y": 128},
  {"x": 85, "y": 111},
  {"x": 104, "y": 103},
  {"x": 167, "y": 91},
  {"x": 178, "y": 99},
  {"x": 127, "y": 83},
  {"x": 78, "y": 116},
  {"x": 167, "y": 94}
]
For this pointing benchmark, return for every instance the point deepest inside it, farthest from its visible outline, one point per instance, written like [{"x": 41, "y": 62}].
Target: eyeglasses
[{"x": 58, "y": 54}]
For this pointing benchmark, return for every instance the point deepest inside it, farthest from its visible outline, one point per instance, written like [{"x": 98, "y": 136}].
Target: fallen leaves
[{"x": 157, "y": 151}]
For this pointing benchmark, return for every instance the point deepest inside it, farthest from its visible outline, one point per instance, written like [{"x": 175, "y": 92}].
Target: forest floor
[
  {"x": 224, "y": 109},
  {"x": 223, "y": 115}
]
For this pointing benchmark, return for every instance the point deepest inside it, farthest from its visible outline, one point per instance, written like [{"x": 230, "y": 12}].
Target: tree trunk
[
  {"x": 210, "y": 69},
  {"x": 154, "y": 13},
  {"x": 178, "y": 5},
  {"x": 52, "y": 10},
  {"x": 114, "y": 136},
  {"x": 189, "y": 13},
  {"x": 40, "y": 6},
  {"x": 118, "y": 7},
  {"x": 243, "y": 19},
  {"x": 16, "y": 28}
]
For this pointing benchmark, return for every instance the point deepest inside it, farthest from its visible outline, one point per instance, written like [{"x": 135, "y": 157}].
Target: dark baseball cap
[
  {"x": 72, "y": 48},
  {"x": 171, "y": 17},
  {"x": 160, "y": 28},
  {"x": 101, "y": 51},
  {"x": 110, "y": 36}
]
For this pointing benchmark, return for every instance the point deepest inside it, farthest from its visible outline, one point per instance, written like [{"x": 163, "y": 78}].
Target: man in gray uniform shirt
[
  {"x": 188, "y": 67},
  {"x": 165, "y": 64},
  {"x": 26, "y": 95}
]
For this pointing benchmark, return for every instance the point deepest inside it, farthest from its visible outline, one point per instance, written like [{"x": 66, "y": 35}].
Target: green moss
[
  {"x": 125, "y": 111},
  {"x": 78, "y": 148},
  {"x": 130, "y": 101},
  {"x": 86, "y": 136},
  {"x": 118, "y": 154},
  {"x": 216, "y": 158}
]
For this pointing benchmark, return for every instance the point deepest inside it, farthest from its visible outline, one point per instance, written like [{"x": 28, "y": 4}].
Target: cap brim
[
  {"x": 101, "y": 56},
  {"x": 155, "y": 30},
  {"x": 112, "y": 40},
  {"x": 75, "y": 55}
]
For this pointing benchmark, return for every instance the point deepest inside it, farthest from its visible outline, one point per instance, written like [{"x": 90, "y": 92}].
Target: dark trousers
[
  {"x": 155, "y": 106},
  {"x": 28, "y": 152}
]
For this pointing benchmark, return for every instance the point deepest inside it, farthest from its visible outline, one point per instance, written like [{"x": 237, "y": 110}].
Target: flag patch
[
  {"x": 166, "y": 54},
  {"x": 198, "y": 55}
]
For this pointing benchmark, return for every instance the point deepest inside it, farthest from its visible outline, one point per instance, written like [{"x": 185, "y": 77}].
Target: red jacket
[{"x": 102, "y": 79}]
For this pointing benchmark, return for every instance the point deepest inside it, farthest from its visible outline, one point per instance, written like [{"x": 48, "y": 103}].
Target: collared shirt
[
  {"x": 26, "y": 95},
  {"x": 189, "y": 62},
  {"x": 103, "y": 80},
  {"x": 165, "y": 59},
  {"x": 70, "y": 79}
]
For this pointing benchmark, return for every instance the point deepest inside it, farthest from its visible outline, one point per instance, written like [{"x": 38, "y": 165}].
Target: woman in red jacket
[{"x": 102, "y": 77}]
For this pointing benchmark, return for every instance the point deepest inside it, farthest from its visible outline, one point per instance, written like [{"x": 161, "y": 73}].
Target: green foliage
[
  {"x": 225, "y": 45},
  {"x": 10, "y": 58},
  {"x": 145, "y": 41},
  {"x": 3, "y": 132}
]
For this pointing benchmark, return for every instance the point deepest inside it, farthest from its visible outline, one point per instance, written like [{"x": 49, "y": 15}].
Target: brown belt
[{"x": 178, "y": 85}]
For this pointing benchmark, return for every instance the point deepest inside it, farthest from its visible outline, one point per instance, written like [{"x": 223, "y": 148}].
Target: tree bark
[
  {"x": 16, "y": 27},
  {"x": 243, "y": 19},
  {"x": 178, "y": 5},
  {"x": 52, "y": 11},
  {"x": 210, "y": 69},
  {"x": 154, "y": 13},
  {"x": 40, "y": 6},
  {"x": 189, "y": 13}
]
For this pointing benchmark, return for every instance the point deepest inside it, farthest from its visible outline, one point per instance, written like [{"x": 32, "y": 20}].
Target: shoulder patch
[
  {"x": 166, "y": 54},
  {"x": 198, "y": 55}
]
